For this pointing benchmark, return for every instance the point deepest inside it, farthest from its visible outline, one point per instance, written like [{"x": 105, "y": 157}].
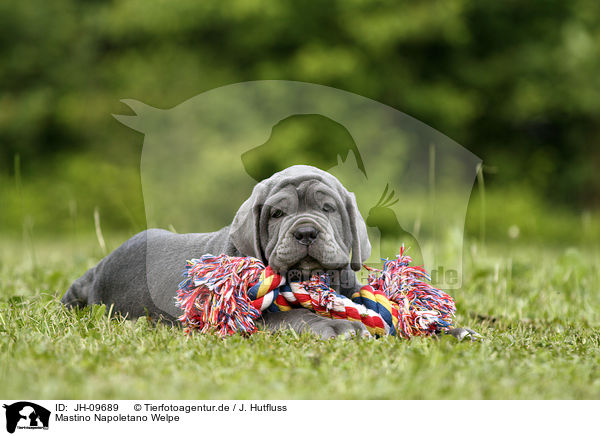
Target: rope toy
[{"x": 225, "y": 295}]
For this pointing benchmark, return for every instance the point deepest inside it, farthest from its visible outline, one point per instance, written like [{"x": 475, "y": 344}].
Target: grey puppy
[{"x": 299, "y": 221}]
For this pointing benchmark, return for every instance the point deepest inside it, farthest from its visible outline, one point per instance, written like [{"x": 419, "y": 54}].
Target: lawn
[{"x": 536, "y": 306}]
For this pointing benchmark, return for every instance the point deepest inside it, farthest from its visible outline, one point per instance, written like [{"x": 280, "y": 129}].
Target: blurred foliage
[{"x": 516, "y": 83}]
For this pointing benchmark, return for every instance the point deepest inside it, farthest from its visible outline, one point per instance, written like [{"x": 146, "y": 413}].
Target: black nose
[{"x": 306, "y": 235}]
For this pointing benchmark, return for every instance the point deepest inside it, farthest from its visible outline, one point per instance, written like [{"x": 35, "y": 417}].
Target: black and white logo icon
[{"x": 26, "y": 415}]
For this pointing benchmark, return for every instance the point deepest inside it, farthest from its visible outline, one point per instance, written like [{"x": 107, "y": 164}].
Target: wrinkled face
[{"x": 306, "y": 228}]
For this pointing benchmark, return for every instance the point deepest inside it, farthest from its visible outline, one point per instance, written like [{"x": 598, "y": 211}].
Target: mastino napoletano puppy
[{"x": 300, "y": 221}]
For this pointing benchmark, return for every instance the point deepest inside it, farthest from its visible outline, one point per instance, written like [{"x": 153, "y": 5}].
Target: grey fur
[{"x": 142, "y": 275}]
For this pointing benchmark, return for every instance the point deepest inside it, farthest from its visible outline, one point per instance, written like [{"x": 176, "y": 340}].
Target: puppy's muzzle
[{"x": 306, "y": 235}]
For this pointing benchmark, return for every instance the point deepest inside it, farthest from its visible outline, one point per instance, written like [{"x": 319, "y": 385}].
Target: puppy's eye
[
  {"x": 327, "y": 207},
  {"x": 276, "y": 213}
]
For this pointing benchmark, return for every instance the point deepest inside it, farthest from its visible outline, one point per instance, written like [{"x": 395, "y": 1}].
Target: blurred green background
[{"x": 516, "y": 83}]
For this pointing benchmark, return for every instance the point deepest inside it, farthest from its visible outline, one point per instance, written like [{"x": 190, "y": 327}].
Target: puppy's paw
[
  {"x": 331, "y": 328},
  {"x": 461, "y": 333}
]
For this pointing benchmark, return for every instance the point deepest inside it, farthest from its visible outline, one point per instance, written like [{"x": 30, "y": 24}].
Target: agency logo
[
  {"x": 26, "y": 415},
  {"x": 202, "y": 158}
]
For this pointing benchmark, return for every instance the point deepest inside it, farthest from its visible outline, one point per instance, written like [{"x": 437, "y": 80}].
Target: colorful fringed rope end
[
  {"x": 422, "y": 309},
  {"x": 214, "y": 297}
]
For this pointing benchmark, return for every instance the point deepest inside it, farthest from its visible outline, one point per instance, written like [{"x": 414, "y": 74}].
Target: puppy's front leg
[{"x": 303, "y": 320}]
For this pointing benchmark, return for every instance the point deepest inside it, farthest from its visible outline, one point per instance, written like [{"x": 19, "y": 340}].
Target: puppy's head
[{"x": 302, "y": 219}]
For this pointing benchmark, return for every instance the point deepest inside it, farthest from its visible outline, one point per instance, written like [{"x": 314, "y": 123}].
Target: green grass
[{"x": 536, "y": 306}]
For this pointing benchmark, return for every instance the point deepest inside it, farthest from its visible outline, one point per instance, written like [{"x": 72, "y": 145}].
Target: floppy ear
[
  {"x": 245, "y": 229},
  {"x": 361, "y": 247}
]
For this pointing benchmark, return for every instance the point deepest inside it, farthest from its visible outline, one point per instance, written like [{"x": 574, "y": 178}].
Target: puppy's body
[
  {"x": 122, "y": 278},
  {"x": 299, "y": 220}
]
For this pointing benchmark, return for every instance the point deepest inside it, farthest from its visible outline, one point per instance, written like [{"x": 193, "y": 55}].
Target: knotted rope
[{"x": 225, "y": 295}]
